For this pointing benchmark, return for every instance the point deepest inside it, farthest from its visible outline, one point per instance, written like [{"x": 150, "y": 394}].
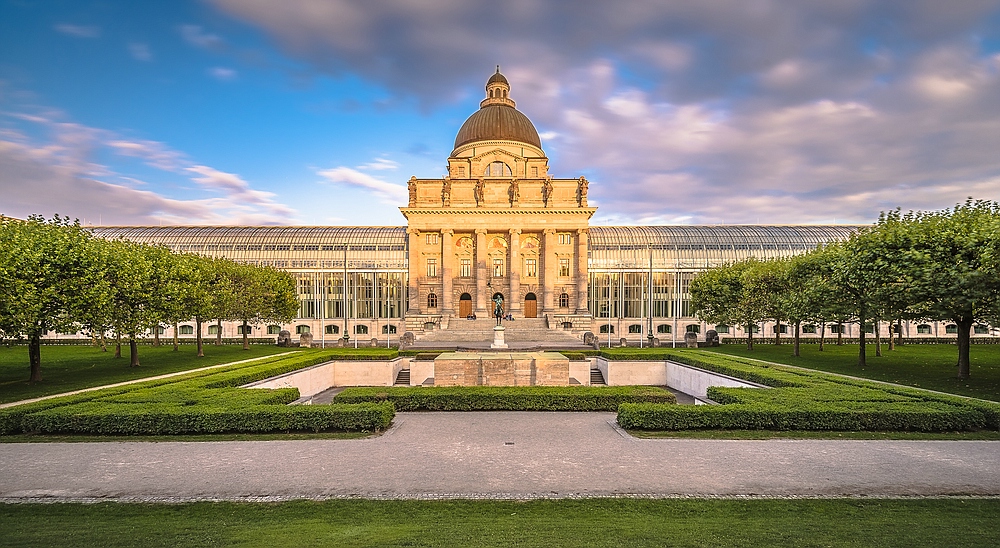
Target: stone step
[
  {"x": 596, "y": 377},
  {"x": 403, "y": 378}
]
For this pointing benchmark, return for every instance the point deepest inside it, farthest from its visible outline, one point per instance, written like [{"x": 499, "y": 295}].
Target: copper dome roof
[{"x": 498, "y": 123}]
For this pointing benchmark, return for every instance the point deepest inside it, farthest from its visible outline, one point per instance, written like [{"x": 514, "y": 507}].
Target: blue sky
[{"x": 317, "y": 112}]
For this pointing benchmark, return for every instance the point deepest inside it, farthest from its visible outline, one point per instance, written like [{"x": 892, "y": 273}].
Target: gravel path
[{"x": 495, "y": 455}]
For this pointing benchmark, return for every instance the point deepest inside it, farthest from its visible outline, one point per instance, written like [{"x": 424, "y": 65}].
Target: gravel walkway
[{"x": 495, "y": 455}]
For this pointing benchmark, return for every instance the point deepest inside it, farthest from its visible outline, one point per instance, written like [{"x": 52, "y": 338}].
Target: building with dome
[{"x": 497, "y": 225}]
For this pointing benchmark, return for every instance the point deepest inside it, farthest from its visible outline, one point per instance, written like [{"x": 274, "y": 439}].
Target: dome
[
  {"x": 498, "y": 123},
  {"x": 497, "y": 118}
]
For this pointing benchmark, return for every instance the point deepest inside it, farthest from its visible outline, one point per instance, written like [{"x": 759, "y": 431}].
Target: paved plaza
[{"x": 496, "y": 454}]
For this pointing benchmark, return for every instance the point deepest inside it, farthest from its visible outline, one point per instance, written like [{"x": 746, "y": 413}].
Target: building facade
[{"x": 496, "y": 225}]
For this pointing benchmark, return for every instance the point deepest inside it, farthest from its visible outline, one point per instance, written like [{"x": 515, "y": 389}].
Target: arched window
[
  {"x": 360, "y": 329},
  {"x": 388, "y": 329},
  {"x": 158, "y": 328},
  {"x": 923, "y": 329},
  {"x": 567, "y": 325},
  {"x": 244, "y": 329},
  {"x": 186, "y": 330},
  {"x": 635, "y": 328},
  {"x": 607, "y": 328},
  {"x": 808, "y": 328},
  {"x": 301, "y": 329},
  {"x": 332, "y": 329},
  {"x": 213, "y": 330},
  {"x": 663, "y": 328},
  {"x": 564, "y": 300},
  {"x": 432, "y": 300},
  {"x": 951, "y": 329},
  {"x": 782, "y": 328},
  {"x": 837, "y": 329},
  {"x": 498, "y": 169},
  {"x": 273, "y": 329},
  {"x": 981, "y": 329},
  {"x": 692, "y": 328},
  {"x": 722, "y": 328}
]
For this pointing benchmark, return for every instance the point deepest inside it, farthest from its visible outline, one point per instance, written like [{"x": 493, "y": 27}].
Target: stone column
[
  {"x": 582, "y": 272},
  {"x": 550, "y": 267},
  {"x": 514, "y": 270},
  {"x": 413, "y": 255},
  {"x": 481, "y": 272},
  {"x": 447, "y": 271}
]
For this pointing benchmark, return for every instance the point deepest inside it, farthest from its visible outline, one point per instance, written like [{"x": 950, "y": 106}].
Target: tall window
[
  {"x": 432, "y": 268},
  {"x": 531, "y": 268},
  {"x": 461, "y": 172},
  {"x": 564, "y": 300},
  {"x": 498, "y": 169},
  {"x": 432, "y": 301},
  {"x": 534, "y": 172},
  {"x": 565, "y": 238},
  {"x": 431, "y": 238},
  {"x": 564, "y": 267},
  {"x": 497, "y": 268},
  {"x": 466, "y": 268}
]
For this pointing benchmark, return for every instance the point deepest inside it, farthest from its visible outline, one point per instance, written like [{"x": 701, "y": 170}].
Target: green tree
[
  {"x": 46, "y": 268},
  {"x": 730, "y": 294}
]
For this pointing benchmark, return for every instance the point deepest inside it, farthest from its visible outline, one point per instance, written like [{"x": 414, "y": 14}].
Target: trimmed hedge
[
  {"x": 805, "y": 400},
  {"x": 200, "y": 402},
  {"x": 575, "y": 356},
  {"x": 507, "y": 398}
]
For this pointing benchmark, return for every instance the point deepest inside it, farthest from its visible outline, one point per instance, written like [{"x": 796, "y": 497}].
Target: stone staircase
[
  {"x": 596, "y": 377},
  {"x": 403, "y": 377},
  {"x": 523, "y": 330}
]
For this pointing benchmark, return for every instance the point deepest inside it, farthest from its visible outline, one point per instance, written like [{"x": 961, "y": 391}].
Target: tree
[
  {"x": 47, "y": 269},
  {"x": 730, "y": 294},
  {"x": 954, "y": 267},
  {"x": 134, "y": 273}
]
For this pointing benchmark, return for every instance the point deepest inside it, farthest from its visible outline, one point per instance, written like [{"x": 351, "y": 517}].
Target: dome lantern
[{"x": 497, "y": 118}]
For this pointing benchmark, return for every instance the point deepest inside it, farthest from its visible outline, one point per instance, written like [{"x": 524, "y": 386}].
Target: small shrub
[{"x": 507, "y": 398}]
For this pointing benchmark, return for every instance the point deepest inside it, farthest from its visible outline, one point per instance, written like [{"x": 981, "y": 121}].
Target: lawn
[
  {"x": 544, "y": 523},
  {"x": 67, "y": 368},
  {"x": 930, "y": 366}
]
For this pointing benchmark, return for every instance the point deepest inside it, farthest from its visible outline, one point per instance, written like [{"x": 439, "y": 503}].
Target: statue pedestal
[{"x": 498, "y": 341}]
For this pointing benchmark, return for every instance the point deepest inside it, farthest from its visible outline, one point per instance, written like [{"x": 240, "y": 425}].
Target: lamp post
[{"x": 649, "y": 286}]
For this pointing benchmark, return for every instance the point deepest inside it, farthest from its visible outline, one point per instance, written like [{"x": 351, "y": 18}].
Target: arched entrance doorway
[
  {"x": 530, "y": 306},
  {"x": 465, "y": 305}
]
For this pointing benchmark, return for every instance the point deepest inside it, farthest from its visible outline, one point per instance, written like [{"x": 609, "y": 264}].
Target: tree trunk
[
  {"x": 218, "y": 333},
  {"x": 822, "y": 334},
  {"x": 133, "y": 352},
  {"x": 899, "y": 334},
  {"x": 861, "y": 342},
  {"x": 840, "y": 333},
  {"x": 964, "y": 325},
  {"x": 197, "y": 327},
  {"x": 156, "y": 335},
  {"x": 118, "y": 346},
  {"x": 749, "y": 336},
  {"x": 795, "y": 352},
  {"x": 877, "y": 327},
  {"x": 104, "y": 343},
  {"x": 35, "y": 357},
  {"x": 176, "y": 345},
  {"x": 246, "y": 341},
  {"x": 892, "y": 337}
]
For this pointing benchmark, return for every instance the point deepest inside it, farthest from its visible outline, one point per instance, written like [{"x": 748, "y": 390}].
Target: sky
[{"x": 317, "y": 112}]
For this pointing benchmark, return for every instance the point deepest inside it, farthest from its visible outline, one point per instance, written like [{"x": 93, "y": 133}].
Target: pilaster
[
  {"x": 514, "y": 270},
  {"x": 481, "y": 272},
  {"x": 447, "y": 271},
  {"x": 551, "y": 268},
  {"x": 582, "y": 274}
]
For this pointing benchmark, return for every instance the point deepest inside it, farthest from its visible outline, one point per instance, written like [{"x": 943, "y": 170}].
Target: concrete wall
[
  {"x": 313, "y": 380},
  {"x": 580, "y": 370},
  {"x": 687, "y": 379},
  {"x": 420, "y": 371}
]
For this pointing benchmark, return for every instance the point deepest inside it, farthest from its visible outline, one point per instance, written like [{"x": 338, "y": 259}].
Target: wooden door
[
  {"x": 465, "y": 308},
  {"x": 530, "y": 308}
]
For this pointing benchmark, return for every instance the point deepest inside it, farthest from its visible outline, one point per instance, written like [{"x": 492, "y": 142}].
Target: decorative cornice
[{"x": 488, "y": 211}]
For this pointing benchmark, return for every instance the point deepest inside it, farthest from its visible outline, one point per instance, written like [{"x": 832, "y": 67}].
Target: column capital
[
  {"x": 515, "y": 231},
  {"x": 412, "y": 231},
  {"x": 549, "y": 231},
  {"x": 583, "y": 231},
  {"x": 448, "y": 231},
  {"x": 481, "y": 231}
]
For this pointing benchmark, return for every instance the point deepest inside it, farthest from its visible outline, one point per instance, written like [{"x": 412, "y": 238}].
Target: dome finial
[{"x": 498, "y": 69}]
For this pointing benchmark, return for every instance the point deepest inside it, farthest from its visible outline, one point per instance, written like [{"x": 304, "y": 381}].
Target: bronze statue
[{"x": 498, "y": 308}]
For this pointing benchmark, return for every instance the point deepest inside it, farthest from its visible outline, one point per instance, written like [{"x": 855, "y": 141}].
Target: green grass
[
  {"x": 545, "y": 523},
  {"x": 930, "y": 366},
  {"x": 68, "y": 368}
]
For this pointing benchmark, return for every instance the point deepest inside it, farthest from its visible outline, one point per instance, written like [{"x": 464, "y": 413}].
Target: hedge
[
  {"x": 805, "y": 400},
  {"x": 200, "y": 402},
  {"x": 507, "y": 398}
]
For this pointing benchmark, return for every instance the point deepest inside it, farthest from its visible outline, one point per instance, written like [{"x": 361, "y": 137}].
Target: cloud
[
  {"x": 222, "y": 74},
  {"x": 59, "y": 174},
  {"x": 78, "y": 31},
  {"x": 140, "y": 51},
  {"x": 380, "y": 164},
  {"x": 390, "y": 193},
  {"x": 196, "y": 36}
]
